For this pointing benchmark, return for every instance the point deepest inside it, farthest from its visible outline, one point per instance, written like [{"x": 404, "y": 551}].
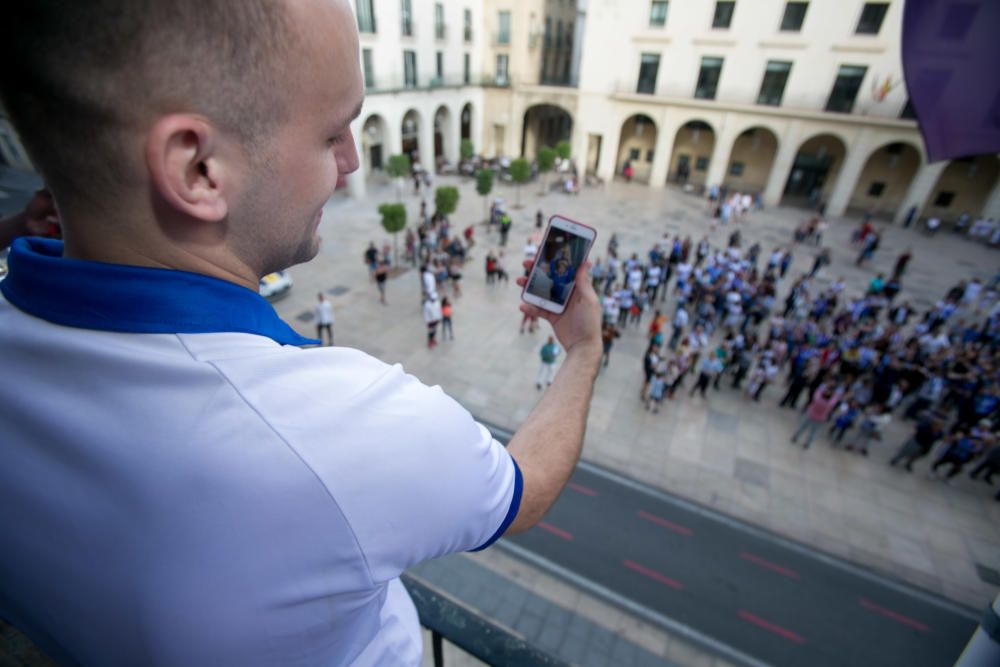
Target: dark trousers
[
  {"x": 702, "y": 384},
  {"x": 328, "y": 328},
  {"x": 956, "y": 464},
  {"x": 987, "y": 466}
]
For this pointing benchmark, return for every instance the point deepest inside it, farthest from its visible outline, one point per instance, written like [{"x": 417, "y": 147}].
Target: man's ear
[{"x": 186, "y": 168}]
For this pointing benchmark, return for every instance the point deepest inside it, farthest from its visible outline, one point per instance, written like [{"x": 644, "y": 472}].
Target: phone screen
[{"x": 559, "y": 259}]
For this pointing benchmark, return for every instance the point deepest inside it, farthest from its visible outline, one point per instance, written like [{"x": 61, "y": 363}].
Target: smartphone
[{"x": 561, "y": 255}]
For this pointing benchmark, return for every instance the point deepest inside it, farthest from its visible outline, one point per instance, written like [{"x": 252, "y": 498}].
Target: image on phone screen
[{"x": 560, "y": 258}]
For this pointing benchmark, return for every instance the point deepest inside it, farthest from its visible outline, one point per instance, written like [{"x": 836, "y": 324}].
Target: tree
[
  {"x": 563, "y": 150},
  {"x": 394, "y": 221},
  {"x": 484, "y": 185},
  {"x": 520, "y": 172},
  {"x": 546, "y": 160},
  {"x": 466, "y": 150},
  {"x": 446, "y": 200},
  {"x": 398, "y": 167}
]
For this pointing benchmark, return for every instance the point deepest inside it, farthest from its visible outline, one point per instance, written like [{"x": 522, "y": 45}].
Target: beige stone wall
[
  {"x": 756, "y": 150},
  {"x": 895, "y": 171},
  {"x": 696, "y": 144},
  {"x": 972, "y": 182},
  {"x": 640, "y": 136}
]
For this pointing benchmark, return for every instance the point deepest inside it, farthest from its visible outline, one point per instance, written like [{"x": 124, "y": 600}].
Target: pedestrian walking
[
  {"x": 927, "y": 433},
  {"x": 324, "y": 318},
  {"x": 876, "y": 419},
  {"x": 446, "y": 330},
  {"x": 817, "y": 413},
  {"x": 547, "y": 368},
  {"x": 609, "y": 332},
  {"x": 381, "y": 276},
  {"x": 432, "y": 316}
]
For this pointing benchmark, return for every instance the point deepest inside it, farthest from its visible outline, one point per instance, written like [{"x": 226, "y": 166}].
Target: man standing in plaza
[
  {"x": 547, "y": 369},
  {"x": 183, "y": 483},
  {"x": 324, "y": 318}
]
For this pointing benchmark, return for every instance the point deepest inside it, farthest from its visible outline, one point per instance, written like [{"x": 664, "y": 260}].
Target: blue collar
[{"x": 133, "y": 299}]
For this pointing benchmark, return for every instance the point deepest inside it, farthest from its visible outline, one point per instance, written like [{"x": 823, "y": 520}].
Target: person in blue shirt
[{"x": 562, "y": 273}]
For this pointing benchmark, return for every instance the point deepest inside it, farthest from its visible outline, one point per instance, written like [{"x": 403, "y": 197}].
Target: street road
[{"x": 757, "y": 598}]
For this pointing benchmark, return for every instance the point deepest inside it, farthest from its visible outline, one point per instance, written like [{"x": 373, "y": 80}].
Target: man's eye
[{"x": 338, "y": 139}]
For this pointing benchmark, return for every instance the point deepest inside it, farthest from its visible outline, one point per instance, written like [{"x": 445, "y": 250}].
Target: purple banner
[{"x": 951, "y": 62}]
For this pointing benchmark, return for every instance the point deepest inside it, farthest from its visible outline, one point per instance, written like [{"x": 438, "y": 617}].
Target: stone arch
[
  {"x": 692, "y": 153},
  {"x": 410, "y": 128},
  {"x": 815, "y": 169},
  {"x": 963, "y": 187},
  {"x": 636, "y": 144},
  {"x": 750, "y": 159},
  {"x": 544, "y": 125},
  {"x": 885, "y": 179},
  {"x": 375, "y": 147}
]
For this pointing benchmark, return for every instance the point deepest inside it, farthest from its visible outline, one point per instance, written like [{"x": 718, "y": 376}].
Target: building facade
[{"x": 801, "y": 101}]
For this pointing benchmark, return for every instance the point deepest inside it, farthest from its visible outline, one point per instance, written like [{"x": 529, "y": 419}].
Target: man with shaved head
[{"x": 182, "y": 483}]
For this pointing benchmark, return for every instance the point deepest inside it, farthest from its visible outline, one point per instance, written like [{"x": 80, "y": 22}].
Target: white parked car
[{"x": 275, "y": 285}]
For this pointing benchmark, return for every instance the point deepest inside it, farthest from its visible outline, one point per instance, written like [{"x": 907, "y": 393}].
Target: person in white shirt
[
  {"x": 324, "y": 318},
  {"x": 428, "y": 282},
  {"x": 182, "y": 482},
  {"x": 432, "y": 317}
]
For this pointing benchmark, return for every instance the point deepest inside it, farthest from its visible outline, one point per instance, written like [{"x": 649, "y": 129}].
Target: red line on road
[
  {"x": 888, "y": 613},
  {"x": 768, "y": 565},
  {"x": 582, "y": 489},
  {"x": 771, "y": 627},
  {"x": 670, "y": 525},
  {"x": 653, "y": 574},
  {"x": 558, "y": 532}
]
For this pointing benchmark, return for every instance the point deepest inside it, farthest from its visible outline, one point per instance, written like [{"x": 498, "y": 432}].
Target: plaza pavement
[{"x": 725, "y": 452}]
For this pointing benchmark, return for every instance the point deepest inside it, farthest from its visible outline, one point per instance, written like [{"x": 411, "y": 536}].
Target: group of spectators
[{"x": 851, "y": 363}]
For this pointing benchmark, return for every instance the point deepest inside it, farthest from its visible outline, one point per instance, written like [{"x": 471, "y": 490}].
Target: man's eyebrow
[{"x": 356, "y": 114}]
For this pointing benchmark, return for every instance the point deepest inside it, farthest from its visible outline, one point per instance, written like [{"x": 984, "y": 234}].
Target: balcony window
[
  {"x": 439, "y": 66},
  {"x": 503, "y": 34},
  {"x": 871, "y": 18},
  {"x": 658, "y": 14},
  {"x": 649, "y": 67},
  {"x": 845, "y": 88},
  {"x": 772, "y": 89},
  {"x": 558, "y": 35},
  {"x": 723, "y": 14},
  {"x": 794, "y": 16},
  {"x": 708, "y": 78},
  {"x": 502, "y": 74},
  {"x": 466, "y": 69},
  {"x": 467, "y": 24},
  {"x": 548, "y": 32},
  {"x": 366, "y": 16},
  {"x": 439, "y": 29},
  {"x": 368, "y": 68},
  {"x": 410, "y": 68},
  {"x": 406, "y": 18}
]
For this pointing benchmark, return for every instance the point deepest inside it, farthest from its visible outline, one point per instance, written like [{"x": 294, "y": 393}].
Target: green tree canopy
[
  {"x": 398, "y": 167},
  {"x": 546, "y": 160},
  {"x": 466, "y": 150},
  {"x": 484, "y": 185},
  {"x": 520, "y": 172},
  {"x": 393, "y": 221},
  {"x": 563, "y": 150},
  {"x": 446, "y": 199}
]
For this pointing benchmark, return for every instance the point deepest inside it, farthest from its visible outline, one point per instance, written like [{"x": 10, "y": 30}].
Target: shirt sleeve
[{"x": 414, "y": 474}]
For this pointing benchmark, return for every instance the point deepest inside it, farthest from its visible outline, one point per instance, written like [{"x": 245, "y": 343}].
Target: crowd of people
[{"x": 731, "y": 319}]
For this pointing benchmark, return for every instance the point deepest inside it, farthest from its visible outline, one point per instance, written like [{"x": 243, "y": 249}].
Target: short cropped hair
[{"x": 76, "y": 75}]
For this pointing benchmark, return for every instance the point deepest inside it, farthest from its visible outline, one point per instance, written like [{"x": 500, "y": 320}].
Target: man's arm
[{"x": 547, "y": 446}]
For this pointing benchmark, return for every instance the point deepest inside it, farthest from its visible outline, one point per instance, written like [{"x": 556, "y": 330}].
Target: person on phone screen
[{"x": 198, "y": 486}]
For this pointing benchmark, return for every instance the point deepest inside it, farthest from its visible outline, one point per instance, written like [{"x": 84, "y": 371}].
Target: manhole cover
[
  {"x": 305, "y": 316},
  {"x": 988, "y": 574},
  {"x": 338, "y": 290}
]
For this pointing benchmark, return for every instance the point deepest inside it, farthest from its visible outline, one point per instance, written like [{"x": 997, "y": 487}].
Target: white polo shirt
[{"x": 182, "y": 486}]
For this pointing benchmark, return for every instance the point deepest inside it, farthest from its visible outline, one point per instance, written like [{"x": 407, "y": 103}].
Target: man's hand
[{"x": 580, "y": 323}]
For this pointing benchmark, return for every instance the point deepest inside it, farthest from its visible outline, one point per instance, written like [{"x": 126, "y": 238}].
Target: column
[
  {"x": 453, "y": 137},
  {"x": 847, "y": 178},
  {"x": 992, "y": 207},
  {"x": 788, "y": 148},
  {"x": 606, "y": 166},
  {"x": 720, "y": 159},
  {"x": 426, "y": 139},
  {"x": 920, "y": 190},
  {"x": 661, "y": 154}
]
